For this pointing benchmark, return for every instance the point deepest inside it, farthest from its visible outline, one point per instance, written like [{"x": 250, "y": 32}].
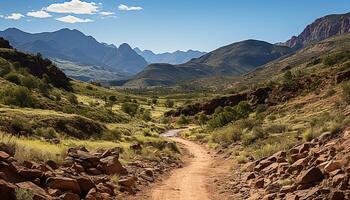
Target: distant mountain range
[
  {"x": 75, "y": 48},
  {"x": 240, "y": 58},
  {"x": 177, "y": 57},
  {"x": 234, "y": 59}
]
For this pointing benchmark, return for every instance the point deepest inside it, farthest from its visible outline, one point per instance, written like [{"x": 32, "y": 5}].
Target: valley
[{"x": 80, "y": 119}]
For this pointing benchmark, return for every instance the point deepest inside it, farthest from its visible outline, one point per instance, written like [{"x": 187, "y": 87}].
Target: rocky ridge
[{"x": 319, "y": 169}]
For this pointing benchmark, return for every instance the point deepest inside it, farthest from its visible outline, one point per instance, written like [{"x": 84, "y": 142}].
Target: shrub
[
  {"x": 18, "y": 96},
  {"x": 24, "y": 194},
  {"x": 227, "y": 135},
  {"x": 13, "y": 77},
  {"x": 169, "y": 103},
  {"x": 309, "y": 135},
  {"x": 202, "y": 119},
  {"x": 182, "y": 120},
  {"x": 254, "y": 135},
  {"x": 346, "y": 92},
  {"x": 130, "y": 108},
  {"x": 72, "y": 99},
  {"x": 18, "y": 125},
  {"x": 29, "y": 82},
  {"x": 47, "y": 133},
  {"x": 276, "y": 128},
  {"x": 114, "y": 134},
  {"x": 146, "y": 115}
]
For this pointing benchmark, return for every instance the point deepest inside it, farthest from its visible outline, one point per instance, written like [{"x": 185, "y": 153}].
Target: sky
[{"x": 170, "y": 25}]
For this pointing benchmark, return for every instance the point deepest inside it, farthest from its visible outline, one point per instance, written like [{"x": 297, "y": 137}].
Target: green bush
[
  {"x": 223, "y": 116},
  {"x": 346, "y": 92},
  {"x": 29, "y": 82},
  {"x": 47, "y": 133},
  {"x": 169, "y": 103},
  {"x": 183, "y": 120},
  {"x": 146, "y": 115},
  {"x": 13, "y": 77},
  {"x": 251, "y": 137},
  {"x": 18, "y": 96},
  {"x": 72, "y": 99},
  {"x": 130, "y": 108}
]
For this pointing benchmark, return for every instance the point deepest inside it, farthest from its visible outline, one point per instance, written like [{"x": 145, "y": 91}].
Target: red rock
[
  {"x": 310, "y": 176},
  {"x": 85, "y": 184},
  {"x": 259, "y": 183},
  {"x": 332, "y": 166},
  {"x": 69, "y": 196},
  {"x": 30, "y": 174},
  {"x": 4, "y": 156},
  {"x": 336, "y": 195},
  {"x": 64, "y": 184},
  {"x": 7, "y": 190},
  {"x": 52, "y": 164},
  {"x": 104, "y": 189},
  {"x": 38, "y": 192},
  {"x": 111, "y": 165}
]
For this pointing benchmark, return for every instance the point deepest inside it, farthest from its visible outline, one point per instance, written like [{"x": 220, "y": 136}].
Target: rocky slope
[
  {"x": 314, "y": 170},
  {"x": 74, "y": 46},
  {"x": 83, "y": 175},
  {"x": 321, "y": 29}
]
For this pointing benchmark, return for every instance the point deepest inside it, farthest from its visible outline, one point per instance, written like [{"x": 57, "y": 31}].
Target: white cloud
[
  {"x": 129, "y": 8},
  {"x": 15, "y": 16},
  {"x": 71, "y": 19},
  {"x": 39, "y": 14},
  {"x": 107, "y": 13},
  {"x": 74, "y": 7}
]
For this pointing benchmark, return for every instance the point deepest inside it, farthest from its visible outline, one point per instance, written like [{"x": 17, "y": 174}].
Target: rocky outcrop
[
  {"x": 321, "y": 29},
  {"x": 83, "y": 175},
  {"x": 314, "y": 170}
]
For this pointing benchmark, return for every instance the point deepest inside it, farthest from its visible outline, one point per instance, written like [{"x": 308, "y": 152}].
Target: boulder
[
  {"x": 332, "y": 166},
  {"x": 7, "y": 190},
  {"x": 111, "y": 165},
  {"x": 64, "y": 184},
  {"x": 30, "y": 174},
  {"x": 39, "y": 193},
  {"x": 69, "y": 196},
  {"x": 85, "y": 184},
  {"x": 310, "y": 176},
  {"x": 336, "y": 195},
  {"x": 4, "y": 156}
]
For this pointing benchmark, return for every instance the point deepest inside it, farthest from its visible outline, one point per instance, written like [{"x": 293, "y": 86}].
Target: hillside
[
  {"x": 63, "y": 135},
  {"x": 74, "y": 46},
  {"x": 234, "y": 59},
  {"x": 174, "y": 58},
  {"x": 320, "y": 29}
]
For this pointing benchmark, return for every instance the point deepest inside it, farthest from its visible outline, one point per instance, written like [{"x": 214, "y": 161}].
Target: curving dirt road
[{"x": 188, "y": 183}]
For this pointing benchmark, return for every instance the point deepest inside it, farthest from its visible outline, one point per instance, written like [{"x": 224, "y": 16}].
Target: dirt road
[{"x": 188, "y": 183}]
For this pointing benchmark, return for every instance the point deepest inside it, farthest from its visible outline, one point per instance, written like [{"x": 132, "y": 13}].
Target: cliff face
[{"x": 321, "y": 29}]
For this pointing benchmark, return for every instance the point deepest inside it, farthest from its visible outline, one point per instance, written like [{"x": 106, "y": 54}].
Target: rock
[
  {"x": 7, "y": 190},
  {"x": 111, "y": 165},
  {"x": 336, "y": 195},
  {"x": 39, "y": 193},
  {"x": 4, "y": 156},
  {"x": 128, "y": 184},
  {"x": 69, "y": 196},
  {"x": 310, "y": 176},
  {"x": 85, "y": 184},
  {"x": 104, "y": 189},
  {"x": 30, "y": 174},
  {"x": 52, "y": 164},
  {"x": 259, "y": 183},
  {"x": 340, "y": 180},
  {"x": 11, "y": 150},
  {"x": 250, "y": 176},
  {"x": 332, "y": 166},
  {"x": 149, "y": 172},
  {"x": 64, "y": 184}
]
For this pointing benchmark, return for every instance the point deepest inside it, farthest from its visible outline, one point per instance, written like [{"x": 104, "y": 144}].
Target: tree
[
  {"x": 130, "y": 108},
  {"x": 169, "y": 103},
  {"x": 202, "y": 119}
]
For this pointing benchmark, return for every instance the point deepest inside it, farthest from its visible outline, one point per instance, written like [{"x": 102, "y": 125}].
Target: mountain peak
[
  {"x": 125, "y": 46},
  {"x": 320, "y": 29}
]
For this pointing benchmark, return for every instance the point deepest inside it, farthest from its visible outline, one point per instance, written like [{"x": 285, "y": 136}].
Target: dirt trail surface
[{"x": 190, "y": 181}]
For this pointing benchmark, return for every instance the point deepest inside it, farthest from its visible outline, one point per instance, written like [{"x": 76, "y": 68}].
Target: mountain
[
  {"x": 74, "y": 46},
  {"x": 234, "y": 59},
  {"x": 321, "y": 29},
  {"x": 177, "y": 57}
]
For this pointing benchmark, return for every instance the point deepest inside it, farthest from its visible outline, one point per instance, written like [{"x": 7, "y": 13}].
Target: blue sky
[{"x": 169, "y": 25}]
